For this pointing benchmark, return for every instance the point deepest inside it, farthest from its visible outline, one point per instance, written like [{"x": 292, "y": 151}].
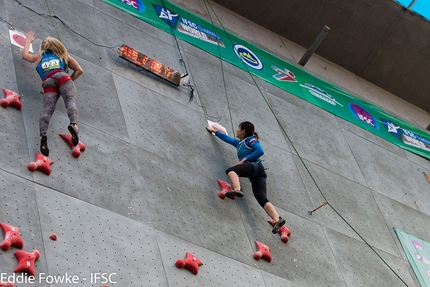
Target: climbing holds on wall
[
  {"x": 12, "y": 99},
  {"x": 11, "y": 237},
  {"x": 284, "y": 232},
  {"x": 53, "y": 237},
  {"x": 26, "y": 261},
  {"x": 225, "y": 187},
  {"x": 42, "y": 164},
  {"x": 263, "y": 251},
  {"x": 190, "y": 263},
  {"x": 76, "y": 150}
]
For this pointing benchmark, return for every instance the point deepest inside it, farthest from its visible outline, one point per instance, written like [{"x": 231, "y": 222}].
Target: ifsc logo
[
  {"x": 248, "y": 57},
  {"x": 136, "y": 4}
]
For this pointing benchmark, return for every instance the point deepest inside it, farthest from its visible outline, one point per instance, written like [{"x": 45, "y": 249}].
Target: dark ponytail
[{"x": 249, "y": 129}]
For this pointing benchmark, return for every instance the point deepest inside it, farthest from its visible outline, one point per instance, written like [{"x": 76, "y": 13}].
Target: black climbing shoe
[
  {"x": 44, "y": 146},
  {"x": 232, "y": 193},
  {"x": 74, "y": 131},
  {"x": 278, "y": 225}
]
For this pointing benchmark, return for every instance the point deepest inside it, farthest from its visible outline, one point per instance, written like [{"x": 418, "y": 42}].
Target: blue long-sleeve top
[{"x": 249, "y": 147}]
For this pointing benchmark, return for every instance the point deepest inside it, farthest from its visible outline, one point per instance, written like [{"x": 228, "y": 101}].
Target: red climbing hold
[
  {"x": 42, "y": 164},
  {"x": 53, "y": 237},
  {"x": 76, "y": 150},
  {"x": 284, "y": 232},
  {"x": 12, "y": 99},
  {"x": 191, "y": 263},
  {"x": 225, "y": 187},
  {"x": 11, "y": 237},
  {"x": 26, "y": 261},
  {"x": 262, "y": 252},
  {"x": 7, "y": 284}
]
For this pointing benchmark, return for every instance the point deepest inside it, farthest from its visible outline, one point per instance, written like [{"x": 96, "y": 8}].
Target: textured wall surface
[{"x": 144, "y": 192}]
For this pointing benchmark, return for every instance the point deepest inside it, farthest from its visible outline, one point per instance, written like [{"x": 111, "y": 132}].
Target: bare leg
[
  {"x": 271, "y": 211},
  {"x": 234, "y": 179}
]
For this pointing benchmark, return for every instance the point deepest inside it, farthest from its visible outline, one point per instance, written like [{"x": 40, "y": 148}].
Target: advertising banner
[
  {"x": 418, "y": 253},
  {"x": 216, "y": 41}
]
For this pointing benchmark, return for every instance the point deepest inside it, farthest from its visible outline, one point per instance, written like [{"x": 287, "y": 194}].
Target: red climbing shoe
[
  {"x": 232, "y": 193},
  {"x": 74, "y": 131},
  {"x": 44, "y": 146},
  {"x": 278, "y": 225}
]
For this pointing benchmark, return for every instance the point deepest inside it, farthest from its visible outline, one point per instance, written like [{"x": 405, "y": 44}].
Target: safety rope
[
  {"x": 296, "y": 151},
  {"x": 223, "y": 75},
  {"x": 52, "y": 19}
]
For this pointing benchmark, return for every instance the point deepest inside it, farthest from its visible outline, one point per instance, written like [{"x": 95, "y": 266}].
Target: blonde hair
[{"x": 50, "y": 43}]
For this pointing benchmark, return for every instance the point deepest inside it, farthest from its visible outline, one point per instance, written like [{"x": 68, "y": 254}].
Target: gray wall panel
[
  {"x": 99, "y": 240},
  {"x": 362, "y": 267},
  {"x": 8, "y": 80},
  {"x": 216, "y": 270},
  {"x": 184, "y": 204},
  {"x": 357, "y": 206},
  {"x": 403, "y": 217},
  {"x": 20, "y": 209},
  {"x": 319, "y": 142},
  {"x": 389, "y": 174}
]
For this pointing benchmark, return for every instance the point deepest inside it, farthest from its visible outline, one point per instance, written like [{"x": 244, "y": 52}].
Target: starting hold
[
  {"x": 76, "y": 150},
  {"x": 12, "y": 99},
  {"x": 42, "y": 164}
]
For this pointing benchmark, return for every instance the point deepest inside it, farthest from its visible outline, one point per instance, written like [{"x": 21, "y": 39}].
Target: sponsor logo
[
  {"x": 361, "y": 114},
  {"x": 321, "y": 94},
  {"x": 248, "y": 57},
  {"x": 423, "y": 259},
  {"x": 166, "y": 15},
  {"x": 192, "y": 29},
  {"x": 284, "y": 75},
  {"x": 136, "y": 4},
  {"x": 409, "y": 138}
]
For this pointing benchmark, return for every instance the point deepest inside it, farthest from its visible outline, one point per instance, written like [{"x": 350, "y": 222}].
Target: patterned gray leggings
[{"x": 50, "y": 98}]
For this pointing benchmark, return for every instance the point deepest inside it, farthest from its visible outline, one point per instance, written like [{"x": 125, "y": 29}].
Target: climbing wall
[{"x": 144, "y": 191}]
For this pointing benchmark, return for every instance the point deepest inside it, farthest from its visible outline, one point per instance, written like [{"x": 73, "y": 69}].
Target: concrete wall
[{"x": 379, "y": 41}]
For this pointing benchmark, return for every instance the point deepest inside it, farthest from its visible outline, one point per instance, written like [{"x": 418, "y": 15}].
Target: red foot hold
[
  {"x": 12, "y": 99},
  {"x": 76, "y": 150},
  {"x": 225, "y": 187},
  {"x": 26, "y": 261},
  {"x": 6, "y": 284},
  {"x": 42, "y": 164},
  {"x": 284, "y": 232},
  {"x": 191, "y": 263},
  {"x": 11, "y": 237},
  {"x": 262, "y": 252},
  {"x": 53, "y": 237}
]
